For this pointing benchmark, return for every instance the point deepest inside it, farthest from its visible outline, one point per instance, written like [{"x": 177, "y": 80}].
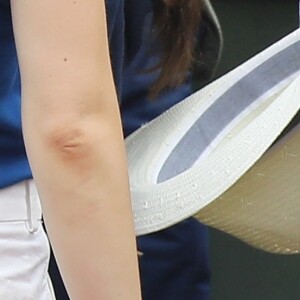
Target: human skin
[{"x": 74, "y": 142}]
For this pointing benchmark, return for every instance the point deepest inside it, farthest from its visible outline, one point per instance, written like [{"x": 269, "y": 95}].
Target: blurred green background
[{"x": 240, "y": 272}]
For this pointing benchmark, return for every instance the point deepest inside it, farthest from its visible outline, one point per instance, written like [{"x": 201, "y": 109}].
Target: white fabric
[{"x": 24, "y": 247}]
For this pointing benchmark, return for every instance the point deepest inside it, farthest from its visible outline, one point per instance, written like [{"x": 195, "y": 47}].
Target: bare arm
[{"x": 74, "y": 142}]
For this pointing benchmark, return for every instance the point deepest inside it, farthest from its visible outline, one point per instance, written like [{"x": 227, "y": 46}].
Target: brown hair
[{"x": 176, "y": 26}]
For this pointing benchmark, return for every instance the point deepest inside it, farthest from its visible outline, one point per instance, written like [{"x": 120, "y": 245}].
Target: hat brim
[
  {"x": 184, "y": 161},
  {"x": 263, "y": 207}
]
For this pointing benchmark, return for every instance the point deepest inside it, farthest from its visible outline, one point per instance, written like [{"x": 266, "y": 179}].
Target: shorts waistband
[{"x": 20, "y": 202}]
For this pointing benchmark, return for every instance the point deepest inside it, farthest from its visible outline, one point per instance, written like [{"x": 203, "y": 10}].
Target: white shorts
[{"x": 24, "y": 247}]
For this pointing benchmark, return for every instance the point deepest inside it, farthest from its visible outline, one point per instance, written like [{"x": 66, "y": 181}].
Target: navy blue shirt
[
  {"x": 175, "y": 262},
  {"x": 13, "y": 162},
  {"x": 140, "y": 49}
]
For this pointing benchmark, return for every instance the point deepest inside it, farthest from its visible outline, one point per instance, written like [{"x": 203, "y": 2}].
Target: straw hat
[{"x": 211, "y": 155}]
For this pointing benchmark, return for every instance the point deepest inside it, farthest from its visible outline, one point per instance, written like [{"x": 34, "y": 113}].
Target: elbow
[
  {"x": 71, "y": 142},
  {"x": 70, "y": 133}
]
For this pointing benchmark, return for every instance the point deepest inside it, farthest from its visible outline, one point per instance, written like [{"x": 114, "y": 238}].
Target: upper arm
[{"x": 63, "y": 55}]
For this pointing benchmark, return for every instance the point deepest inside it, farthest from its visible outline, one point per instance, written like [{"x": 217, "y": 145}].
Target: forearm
[{"x": 80, "y": 171}]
